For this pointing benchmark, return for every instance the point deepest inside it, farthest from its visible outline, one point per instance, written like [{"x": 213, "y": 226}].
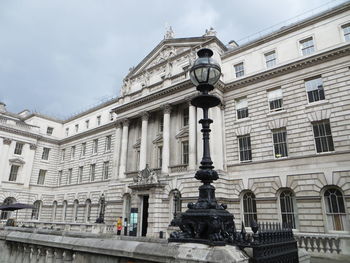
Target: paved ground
[{"x": 321, "y": 260}]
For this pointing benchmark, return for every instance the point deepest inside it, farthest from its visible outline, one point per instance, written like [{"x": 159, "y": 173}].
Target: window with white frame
[
  {"x": 239, "y": 70},
  {"x": 160, "y": 156},
  {"x": 323, "y": 136},
  {"x": 105, "y": 170},
  {"x": 242, "y": 108},
  {"x": 137, "y": 159},
  {"x": 49, "y": 130},
  {"x": 60, "y": 174},
  {"x": 245, "y": 148},
  {"x": 185, "y": 152},
  {"x": 108, "y": 143},
  {"x": 175, "y": 203},
  {"x": 64, "y": 210},
  {"x": 249, "y": 208},
  {"x": 72, "y": 152},
  {"x": 18, "y": 148},
  {"x": 314, "y": 89},
  {"x": 13, "y": 173},
  {"x": 83, "y": 149},
  {"x": 87, "y": 124},
  {"x": 36, "y": 210},
  {"x": 63, "y": 154},
  {"x": 75, "y": 210},
  {"x": 98, "y": 120},
  {"x": 70, "y": 175},
  {"x": 275, "y": 99},
  {"x": 7, "y": 214},
  {"x": 346, "y": 32},
  {"x": 87, "y": 210},
  {"x": 76, "y": 128},
  {"x": 288, "y": 214},
  {"x": 185, "y": 117},
  {"x": 45, "y": 154},
  {"x": 67, "y": 131},
  {"x": 161, "y": 123},
  {"x": 92, "y": 172},
  {"x": 41, "y": 177},
  {"x": 54, "y": 210},
  {"x": 270, "y": 59},
  {"x": 335, "y": 209},
  {"x": 307, "y": 46},
  {"x": 94, "y": 146},
  {"x": 280, "y": 142},
  {"x": 80, "y": 174}
]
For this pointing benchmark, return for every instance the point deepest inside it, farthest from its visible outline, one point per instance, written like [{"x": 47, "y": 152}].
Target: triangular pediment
[
  {"x": 137, "y": 144},
  {"x": 158, "y": 139},
  {"x": 183, "y": 133}
]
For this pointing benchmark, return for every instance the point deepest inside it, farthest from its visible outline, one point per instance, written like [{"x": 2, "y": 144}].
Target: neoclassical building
[{"x": 280, "y": 140}]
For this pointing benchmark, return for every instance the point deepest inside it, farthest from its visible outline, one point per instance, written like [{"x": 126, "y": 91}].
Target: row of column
[
  {"x": 122, "y": 132},
  {"x": 27, "y": 253}
]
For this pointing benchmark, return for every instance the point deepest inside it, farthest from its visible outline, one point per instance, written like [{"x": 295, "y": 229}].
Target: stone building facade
[{"x": 280, "y": 140}]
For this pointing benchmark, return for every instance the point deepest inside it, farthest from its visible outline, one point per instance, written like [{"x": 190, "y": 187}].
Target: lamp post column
[
  {"x": 143, "y": 146},
  {"x": 124, "y": 150},
  {"x": 166, "y": 139}
]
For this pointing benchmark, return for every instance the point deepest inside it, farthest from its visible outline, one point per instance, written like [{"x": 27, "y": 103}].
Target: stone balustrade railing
[{"x": 178, "y": 168}]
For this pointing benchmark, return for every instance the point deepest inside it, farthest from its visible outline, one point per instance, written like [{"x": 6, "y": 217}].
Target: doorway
[{"x": 144, "y": 215}]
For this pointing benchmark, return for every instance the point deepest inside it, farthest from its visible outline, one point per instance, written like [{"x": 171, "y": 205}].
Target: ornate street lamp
[
  {"x": 205, "y": 221},
  {"x": 101, "y": 218}
]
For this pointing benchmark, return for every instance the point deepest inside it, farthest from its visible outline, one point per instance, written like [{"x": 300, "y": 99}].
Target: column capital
[
  {"x": 145, "y": 116},
  {"x": 222, "y": 105},
  {"x": 33, "y": 146},
  {"x": 118, "y": 124},
  {"x": 166, "y": 108},
  {"x": 7, "y": 141},
  {"x": 125, "y": 122},
  {"x": 189, "y": 98}
]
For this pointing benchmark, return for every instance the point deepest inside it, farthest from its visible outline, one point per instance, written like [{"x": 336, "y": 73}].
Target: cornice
[
  {"x": 20, "y": 132},
  {"x": 290, "y": 67}
]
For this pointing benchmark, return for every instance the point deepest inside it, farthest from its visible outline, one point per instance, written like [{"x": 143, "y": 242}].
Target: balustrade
[
  {"x": 320, "y": 243},
  {"x": 178, "y": 168}
]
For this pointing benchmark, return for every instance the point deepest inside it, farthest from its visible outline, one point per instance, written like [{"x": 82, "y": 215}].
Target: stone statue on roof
[{"x": 169, "y": 33}]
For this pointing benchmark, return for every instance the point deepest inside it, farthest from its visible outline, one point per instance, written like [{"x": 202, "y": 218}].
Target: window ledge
[
  {"x": 272, "y": 113},
  {"x": 45, "y": 161},
  {"x": 12, "y": 182},
  {"x": 316, "y": 103},
  {"x": 248, "y": 161},
  {"x": 242, "y": 120},
  {"x": 108, "y": 151}
]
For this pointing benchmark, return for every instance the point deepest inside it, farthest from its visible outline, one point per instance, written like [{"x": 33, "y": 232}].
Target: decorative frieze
[{"x": 6, "y": 141}]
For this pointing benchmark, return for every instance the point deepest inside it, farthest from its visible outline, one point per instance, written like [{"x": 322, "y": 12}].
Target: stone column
[
  {"x": 192, "y": 138},
  {"x": 216, "y": 140},
  {"x": 166, "y": 139},
  {"x": 28, "y": 166},
  {"x": 143, "y": 146},
  {"x": 68, "y": 256},
  {"x": 58, "y": 255},
  {"x": 124, "y": 149},
  {"x": 117, "y": 147},
  {"x": 4, "y": 157}
]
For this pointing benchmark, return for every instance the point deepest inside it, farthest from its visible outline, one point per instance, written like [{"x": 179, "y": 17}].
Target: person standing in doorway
[{"x": 119, "y": 225}]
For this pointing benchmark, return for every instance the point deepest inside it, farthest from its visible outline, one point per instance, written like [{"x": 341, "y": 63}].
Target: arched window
[
  {"x": 36, "y": 210},
  {"x": 54, "y": 210},
  {"x": 7, "y": 201},
  {"x": 76, "y": 210},
  {"x": 287, "y": 200},
  {"x": 87, "y": 210},
  {"x": 64, "y": 211},
  {"x": 175, "y": 203},
  {"x": 335, "y": 209},
  {"x": 249, "y": 208}
]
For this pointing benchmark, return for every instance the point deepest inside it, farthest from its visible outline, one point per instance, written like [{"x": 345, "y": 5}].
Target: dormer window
[{"x": 49, "y": 131}]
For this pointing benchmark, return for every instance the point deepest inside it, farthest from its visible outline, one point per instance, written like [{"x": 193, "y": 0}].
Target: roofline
[{"x": 290, "y": 28}]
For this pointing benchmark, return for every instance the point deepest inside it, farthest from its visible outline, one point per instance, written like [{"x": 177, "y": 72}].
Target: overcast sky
[{"x": 59, "y": 57}]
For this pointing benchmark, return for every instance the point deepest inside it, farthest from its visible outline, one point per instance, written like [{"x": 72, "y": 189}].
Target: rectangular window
[
  {"x": 160, "y": 156},
  {"x": 80, "y": 176},
  {"x": 59, "y": 181},
  {"x": 346, "y": 32},
  {"x": 83, "y": 149},
  {"x": 72, "y": 152},
  {"x": 323, "y": 136},
  {"x": 270, "y": 59},
  {"x": 49, "y": 131},
  {"x": 94, "y": 146},
  {"x": 307, "y": 46},
  {"x": 76, "y": 127},
  {"x": 161, "y": 123},
  {"x": 87, "y": 122},
  {"x": 70, "y": 175},
  {"x": 185, "y": 116},
  {"x": 98, "y": 120},
  {"x": 275, "y": 99},
  {"x": 314, "y": 89},
  {"x": 108, "y": 143},
  {"x": 105, "y": 170},
  {"x": 92, "y": 172},
  {"x": 13, "y": 173},
  {"x": 245, "y": 150},
  {"x": 18, "y": 148},
  {"x": 45, "y": 155},
  {"x": 280, "y": 142},
  {"x": 41, "y": 177},
  {"x": 242, "y": 108},
  {"x": 63, "y": 154},
  {"x": 67, "y": 131},
  {"x": 239, "y": 70},
  {"x": 185, "y": 152}
]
